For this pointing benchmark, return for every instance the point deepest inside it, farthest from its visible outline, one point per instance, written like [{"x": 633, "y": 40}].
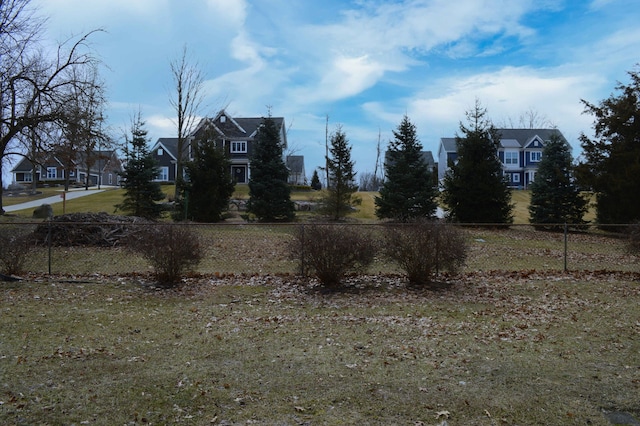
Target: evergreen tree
[
  {"x": 612, "y": 160},
  {"x": 315, "y": 181},
  {"x": 208, "y": 186},
  {"x": 555, "y": 198},
  {"x": 142, "y": 192},
  {"x": 409, "y": 191},
  {"x": 475, "y": 191},
  {"x": 269, "y": 192},
  {"x": 339, "y": 199}
]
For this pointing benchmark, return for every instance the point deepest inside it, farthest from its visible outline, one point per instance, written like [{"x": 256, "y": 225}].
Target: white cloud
[{"x": 232, "y": 13}]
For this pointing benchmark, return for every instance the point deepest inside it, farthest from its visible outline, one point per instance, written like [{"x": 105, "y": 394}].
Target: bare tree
[
  {"x": 33, "y": 87},
  {"x": 189, "y": 81},
  {"x": 530, "y": 119}
]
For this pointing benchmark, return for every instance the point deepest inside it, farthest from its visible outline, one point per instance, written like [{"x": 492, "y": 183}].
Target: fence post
[
  {"x": 49, "y": 244},
  {"x": 302, "y": 244},
  {"x": 565, "y": 246}
]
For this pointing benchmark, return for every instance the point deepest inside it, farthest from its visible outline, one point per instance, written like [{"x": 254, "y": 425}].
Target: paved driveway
[{"x": 51, "y": 200}]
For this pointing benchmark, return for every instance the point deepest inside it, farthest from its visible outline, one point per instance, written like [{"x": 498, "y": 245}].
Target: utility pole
[{"x": 326, "y": 149}]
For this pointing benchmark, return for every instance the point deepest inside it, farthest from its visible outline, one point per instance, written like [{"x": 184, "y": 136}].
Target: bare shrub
[
  {"x": 422, "y": 248},
  {"x": 331, "y": 251},
  {"x": 171, "y": 250},
  {"x": 16, "y": 243}
]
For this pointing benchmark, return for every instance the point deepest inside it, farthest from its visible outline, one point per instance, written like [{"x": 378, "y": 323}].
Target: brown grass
[{"x": 492, "y": 349}]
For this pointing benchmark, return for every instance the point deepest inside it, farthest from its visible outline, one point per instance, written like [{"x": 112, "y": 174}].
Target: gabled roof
[
  {"x": 427, "y": 158},
  {"x": 170, "y": 145},
  {"x": 524, "y": 136},
  {"x": 240, "y": 128},
  {"x": 295, "y": 163},
  {"x": 448, "y": 144}
]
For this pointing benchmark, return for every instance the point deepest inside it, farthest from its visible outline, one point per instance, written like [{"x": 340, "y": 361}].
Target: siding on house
[
  {"x": 520, "y": 152},
  {"x": 235, "y": 135}
]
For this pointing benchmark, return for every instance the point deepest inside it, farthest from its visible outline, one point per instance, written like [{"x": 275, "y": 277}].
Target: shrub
[
  {"x": 422, "y": 248},
  {"x": 634, "y": 238},
  {"x": 16, "y": 243},
  {"x": 330, "y": 251},
  {"x": 171, "y": 250}
]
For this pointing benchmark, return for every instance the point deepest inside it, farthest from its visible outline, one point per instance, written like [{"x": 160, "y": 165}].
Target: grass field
[
  {"x": 513, "y": 340},
  {"x": 490, "y": 350},
  {"x": 107, "y": 200}
]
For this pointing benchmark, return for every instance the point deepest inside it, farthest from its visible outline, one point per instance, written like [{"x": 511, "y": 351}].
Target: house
[
  {"x": 105, "y": 169},
  {"x": 295, "y": 164},
  {"x": 234, "y": 134},
  {"x": 520, "y": 152},
  {"x": 427, "y": 158}
]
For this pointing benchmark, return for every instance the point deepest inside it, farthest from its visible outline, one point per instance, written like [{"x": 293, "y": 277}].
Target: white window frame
[
  {"x": 238, "y": 147},
  {"x": 52, "y": 173},
  {"x": 160, "y": 152},
  {"x": 163, "y": 174},
  {"x": 509, "y": 157},
  {"x": 28, "y": 177},
  {"x": 535, "y": 156},
  {"x": 515, "y": 177}
]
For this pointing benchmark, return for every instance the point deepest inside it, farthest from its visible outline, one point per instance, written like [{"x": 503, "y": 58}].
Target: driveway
[{"x": 51, "y": 200}]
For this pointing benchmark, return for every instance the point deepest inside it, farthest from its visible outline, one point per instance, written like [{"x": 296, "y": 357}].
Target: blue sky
[{"x": 363, "y": 63}]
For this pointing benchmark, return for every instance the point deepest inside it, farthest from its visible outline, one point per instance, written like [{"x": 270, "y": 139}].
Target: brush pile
[{"x": 88, "y": 229}]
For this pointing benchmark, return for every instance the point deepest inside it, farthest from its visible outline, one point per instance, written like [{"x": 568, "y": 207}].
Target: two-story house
[
  {"x": 235, "y": 135},
  {"x": 520, "y": 151}
]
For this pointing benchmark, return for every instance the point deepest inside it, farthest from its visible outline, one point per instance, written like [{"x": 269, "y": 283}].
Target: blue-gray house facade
[
  {"x": 234, "y": 135},
  {"x": 520, "y": 152}
]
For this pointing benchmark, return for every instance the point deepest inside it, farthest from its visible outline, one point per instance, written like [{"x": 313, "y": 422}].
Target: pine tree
[
  {"x": 475, "y": 191},
  {"x": 339, "y": 199},
  {"x": 269, "y": 192},
  {"x": 408, "y": 191},
  {"x": 612, "y": 159},
  {"x": 142, "y": 192},
  {"x": 555, "y": 198},
  {"x": 208, "y": 186},
  {"x": 315, "y": 181}
]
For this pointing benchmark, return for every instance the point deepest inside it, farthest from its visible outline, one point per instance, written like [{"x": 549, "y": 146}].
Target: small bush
[
  {"x": 331, "y": 251},
  {"x": 171, "y": 250},
  {"x": 634, "y": 238},
  {"x": 16, "y": 243},
  {"x": 422, "y": 248}
]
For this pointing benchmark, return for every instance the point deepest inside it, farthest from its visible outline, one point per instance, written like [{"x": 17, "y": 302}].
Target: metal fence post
[
  {"x": 302, "y": 244},
  {"x": 565, "y": 246},
  {"x": 49, "y": 244}
]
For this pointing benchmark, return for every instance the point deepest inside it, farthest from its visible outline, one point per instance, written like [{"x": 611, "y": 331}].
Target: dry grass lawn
[{"x": 491, "y": 349}]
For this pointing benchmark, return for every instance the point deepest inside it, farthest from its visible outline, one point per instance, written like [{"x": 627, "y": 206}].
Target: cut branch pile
[{"x": 90, "y": 229}]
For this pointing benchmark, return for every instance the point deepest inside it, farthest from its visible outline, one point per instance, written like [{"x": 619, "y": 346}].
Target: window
[
  {"x": 238, "y": 146},
  {"x": 535, "y": 156},
  {"x": 51, "y": 173},
  {"x": 515, "y": 178},
  {"x": 110, "y": 179},
  {"x": 28, "y": 177},
  {"x": 160, "y": 152},
  {"x": 511, "y": 158},
  {"x": 164, "y": 174}
]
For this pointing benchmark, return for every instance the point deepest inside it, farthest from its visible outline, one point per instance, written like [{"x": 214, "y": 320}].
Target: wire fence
[{"x": 248, "y": 248}]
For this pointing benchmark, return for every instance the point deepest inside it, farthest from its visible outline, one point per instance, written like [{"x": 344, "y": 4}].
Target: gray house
[
  {"x": 102, "y": 167},
  {"x": 520, "y": 152},
  {"x": 295, "y": 164},
  {"x": 235, "y": 135}
]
